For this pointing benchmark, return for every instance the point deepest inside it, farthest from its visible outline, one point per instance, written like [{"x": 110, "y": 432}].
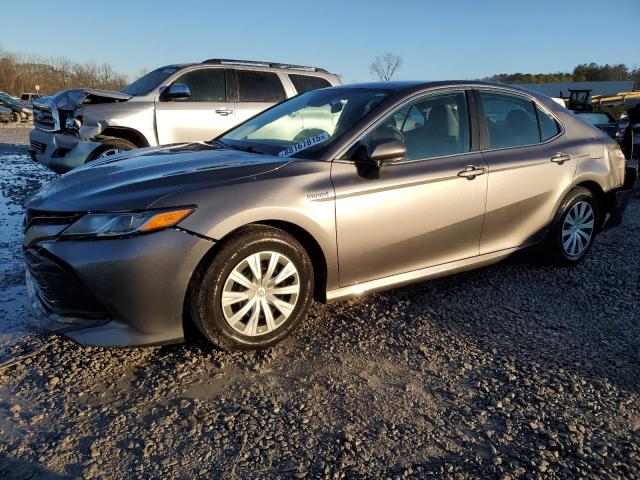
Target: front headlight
[{"x": 116, "y": 224}]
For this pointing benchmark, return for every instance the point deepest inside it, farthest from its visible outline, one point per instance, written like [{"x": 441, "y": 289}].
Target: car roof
[
  {"x": 240, "y": 64},
  {"x": 423, "y": 84}
]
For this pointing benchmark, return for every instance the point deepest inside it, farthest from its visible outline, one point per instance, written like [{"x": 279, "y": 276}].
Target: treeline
[
  {"x": 21, "y": 74},
  {"x": 587, "y": 72}
]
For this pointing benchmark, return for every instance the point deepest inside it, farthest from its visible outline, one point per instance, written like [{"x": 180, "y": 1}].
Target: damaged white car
[{"x": 172, "y": 104}]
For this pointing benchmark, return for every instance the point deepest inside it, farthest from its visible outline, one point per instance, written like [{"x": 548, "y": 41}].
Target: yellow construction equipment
[{"x": 618, "y": 99}]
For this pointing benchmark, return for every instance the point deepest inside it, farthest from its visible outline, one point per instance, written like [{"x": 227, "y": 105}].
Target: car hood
[
  {"x": 135, "y": 180},
  {"x": 73, "y": 98}
]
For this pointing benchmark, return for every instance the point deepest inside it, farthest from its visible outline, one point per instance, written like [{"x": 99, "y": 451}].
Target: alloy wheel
[
  {"x": 260, "y": 293},
  {"x": 109, "y": 152},
  {"x": 577, "y": 229}
]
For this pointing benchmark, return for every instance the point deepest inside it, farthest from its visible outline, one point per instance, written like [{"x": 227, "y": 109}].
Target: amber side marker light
[{"x": 165, "y": 219}]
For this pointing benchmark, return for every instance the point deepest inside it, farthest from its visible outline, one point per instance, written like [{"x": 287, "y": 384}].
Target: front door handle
[
  {"x": 224, "y": 111},
  {"x": 471, "y": 171},
  {"x": 560, "y": 158}
]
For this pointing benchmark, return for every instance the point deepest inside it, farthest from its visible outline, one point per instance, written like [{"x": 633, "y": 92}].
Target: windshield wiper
[{"x": 220, "y": 144}]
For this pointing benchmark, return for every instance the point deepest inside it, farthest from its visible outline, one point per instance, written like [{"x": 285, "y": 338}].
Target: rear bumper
[
  {"x": 132, "y": 289},
  {"x": 58, "y": 151},
  {"x": 620, "y": 198}
]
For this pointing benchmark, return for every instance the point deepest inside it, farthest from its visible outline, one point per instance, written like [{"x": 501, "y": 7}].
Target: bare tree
[
  {"x": 386, "y": 66},
  {"x": 19, "y": 73}
]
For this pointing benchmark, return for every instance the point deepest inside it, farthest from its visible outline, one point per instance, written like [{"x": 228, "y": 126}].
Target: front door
[
  {"x": 202, "y": 117},
  {"x": 531, "y": 163},
  {"x": 420, "y": 212}
]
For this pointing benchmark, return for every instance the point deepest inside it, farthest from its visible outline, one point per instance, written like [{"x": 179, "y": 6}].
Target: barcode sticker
[{"x": 309, "y": 142}]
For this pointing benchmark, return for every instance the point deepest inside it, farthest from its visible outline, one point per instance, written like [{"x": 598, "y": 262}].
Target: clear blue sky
[{"x": 446, "y": 39}]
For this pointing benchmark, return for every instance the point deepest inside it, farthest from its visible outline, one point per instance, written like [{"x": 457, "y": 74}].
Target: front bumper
[
  {"x": 117, "y": 292},
  {"x": 58, "y": 151},
  {"x": 619, "y": 198}
]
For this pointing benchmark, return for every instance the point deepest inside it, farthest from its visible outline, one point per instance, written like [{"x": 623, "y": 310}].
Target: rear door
[
  {"x": 204, "y": 116},
  {"x": 255, "y": 91},
  {"x": 531, "y": 164}
]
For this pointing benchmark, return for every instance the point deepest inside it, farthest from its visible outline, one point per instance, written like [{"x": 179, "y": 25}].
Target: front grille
[
  {"x": 44, "y": 118},
  {"x": 42, "y": 217},
  {"x": 59, "y": 291},
  {"x": 38, "y": 147}
]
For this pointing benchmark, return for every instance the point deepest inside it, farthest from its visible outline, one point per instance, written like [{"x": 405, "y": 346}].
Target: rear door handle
[
  {"x": 560, "y": 158},
  {"x": 470, "y": 172},
  {"x": 224, "y": 111}
]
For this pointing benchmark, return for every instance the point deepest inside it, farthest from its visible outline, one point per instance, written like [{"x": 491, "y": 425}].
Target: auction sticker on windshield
[{"x": 309, "y": 142}]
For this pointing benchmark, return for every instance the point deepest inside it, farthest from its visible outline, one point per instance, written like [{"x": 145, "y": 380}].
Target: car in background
[
  {"x": 635, "y": 137},
  {"x": 333, "y": 193},
  {"x": 22, "y": 111},
  {"x": 603, "y": 121},
  {"x": 29, "y": 97},
  {"x": 6, "y": 115},
  {"x": 172, "y": 104}
]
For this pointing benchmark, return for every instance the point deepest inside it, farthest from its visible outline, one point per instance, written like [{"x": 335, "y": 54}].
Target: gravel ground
[{"x": 514, "y": 371}]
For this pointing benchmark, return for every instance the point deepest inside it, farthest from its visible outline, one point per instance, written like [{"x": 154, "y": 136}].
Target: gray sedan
[{"x": 334, "y": 193}]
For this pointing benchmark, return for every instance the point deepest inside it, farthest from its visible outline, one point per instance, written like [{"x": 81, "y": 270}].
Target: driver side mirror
[
  {"x": 387, "y": 152},
  {"x": 177, "y": 91}
]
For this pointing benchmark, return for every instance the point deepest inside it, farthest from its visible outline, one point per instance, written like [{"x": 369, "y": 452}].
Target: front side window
[
  {"x": 511, "y": 120},
  {"x": 307, "y": 125},
  {"x": 306, "y": 83},
  {"x": 255, "y": 86},
  {"x": 548, "y": 126},
  {"x": 205, "y": 85},
  {"x": 435, "y": 125}
]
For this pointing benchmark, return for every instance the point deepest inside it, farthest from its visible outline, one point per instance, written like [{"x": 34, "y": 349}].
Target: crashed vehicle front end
[{"x": 70, "y": 125}]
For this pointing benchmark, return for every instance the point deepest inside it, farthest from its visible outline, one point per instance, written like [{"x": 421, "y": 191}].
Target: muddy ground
[{"x": 519, "y": 370}]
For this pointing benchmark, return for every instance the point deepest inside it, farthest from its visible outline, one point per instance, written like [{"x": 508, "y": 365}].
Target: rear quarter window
[
  {"x": 549, "y": 128},
  {"x": 255, "y": 86},
  {"x": 306, "y": 83}
]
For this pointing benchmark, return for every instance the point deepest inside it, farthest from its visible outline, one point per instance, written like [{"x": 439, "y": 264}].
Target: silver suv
[{"x": 173, "y": 104}]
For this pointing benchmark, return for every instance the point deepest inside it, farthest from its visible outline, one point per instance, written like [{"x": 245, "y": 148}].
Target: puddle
[{"x": 19, "y": 178}]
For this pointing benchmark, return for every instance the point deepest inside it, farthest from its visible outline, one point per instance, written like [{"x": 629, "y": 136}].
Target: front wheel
[
  {"x": 111, "y": 146},
  {"x": 255, "y": 291},
  {"x": 574, "y": 227}
]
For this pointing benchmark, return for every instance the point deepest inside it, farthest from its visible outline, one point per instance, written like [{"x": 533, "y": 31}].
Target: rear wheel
[
  {"x": 255, "y": 291},
  {"x": 111, "y": 146},
  {"x": 574, "y": 227}
]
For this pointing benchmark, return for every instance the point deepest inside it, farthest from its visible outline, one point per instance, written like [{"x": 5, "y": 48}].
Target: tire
[
  {"x": 111, "y": 146},
  {"x": 227, "y": 326},
  {"x": 564, "y": 244},
  {"x": 17, "y": 117}
]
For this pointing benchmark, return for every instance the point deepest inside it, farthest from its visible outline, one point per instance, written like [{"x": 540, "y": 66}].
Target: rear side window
[
  {"x": 548, "y": 126},
  {"x": 254, "y": 86},
  {"x": 207, "y": 85},
  {"x": 306, "y": 83},
  {"x": 511, "y": 120}
]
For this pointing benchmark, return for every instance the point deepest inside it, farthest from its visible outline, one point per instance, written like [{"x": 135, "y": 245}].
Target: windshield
[
  {"x": 595, "y": 118},
  {"x": 307, "y": 125},
  {"x": 148, "y": 82}
]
